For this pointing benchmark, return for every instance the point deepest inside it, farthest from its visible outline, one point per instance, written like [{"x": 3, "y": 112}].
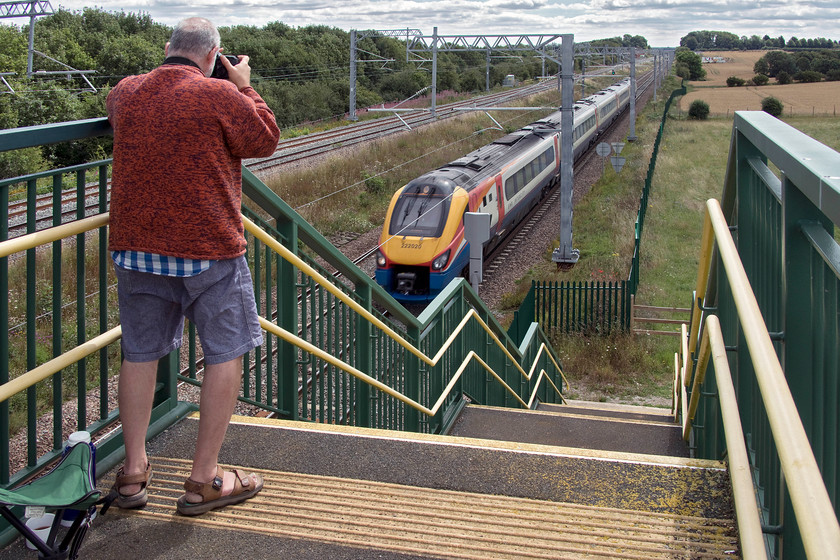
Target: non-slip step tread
[{"x": 440, "y": 523}]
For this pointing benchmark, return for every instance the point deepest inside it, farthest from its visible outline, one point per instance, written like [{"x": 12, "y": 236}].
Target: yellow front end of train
[{"x": 421, "y": 246}]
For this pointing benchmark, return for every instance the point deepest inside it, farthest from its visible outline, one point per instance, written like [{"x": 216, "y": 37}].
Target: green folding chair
[{"x": 69, "y": 485}]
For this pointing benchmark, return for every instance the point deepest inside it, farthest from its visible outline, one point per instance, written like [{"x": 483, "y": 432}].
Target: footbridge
[{"x": 385, "y": 435}]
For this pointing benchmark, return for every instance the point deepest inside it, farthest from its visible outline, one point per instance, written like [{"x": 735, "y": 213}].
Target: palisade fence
[{"x": 592, "y": 307}]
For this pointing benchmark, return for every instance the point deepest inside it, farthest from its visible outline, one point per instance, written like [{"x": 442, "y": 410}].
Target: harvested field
[
  {"x": 819, "y": 99},
  {"x": 738, "y": 63}
]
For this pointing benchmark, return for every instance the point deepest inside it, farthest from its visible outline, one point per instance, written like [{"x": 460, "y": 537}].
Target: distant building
[{"x": 509, "y": 81}]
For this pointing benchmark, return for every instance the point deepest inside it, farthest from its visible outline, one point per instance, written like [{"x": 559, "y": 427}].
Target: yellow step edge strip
[{"x": 562, "y": 414}]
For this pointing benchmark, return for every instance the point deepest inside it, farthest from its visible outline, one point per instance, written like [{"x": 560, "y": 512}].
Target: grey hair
[{"x": 194, "y": 36}]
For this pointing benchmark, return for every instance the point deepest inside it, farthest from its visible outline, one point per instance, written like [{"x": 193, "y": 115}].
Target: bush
[
  {"x": 833, "y": 76},
  {"x": 374, "y": 184},
  {"x": 760, "y": 79},
  {"x": 783, "y": 78},
  {"x": 772, "y": 106},
  {"x": 699, "y": 110},
  {"x": 734, "y": 81},
  {"x": 809, "y": 77}
]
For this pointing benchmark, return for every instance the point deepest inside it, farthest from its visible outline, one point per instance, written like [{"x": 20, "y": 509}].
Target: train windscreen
[{"x": 419, "y": 215}]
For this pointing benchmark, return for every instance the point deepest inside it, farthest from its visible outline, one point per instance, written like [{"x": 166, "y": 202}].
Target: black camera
[{"x": 219, "y": 70}]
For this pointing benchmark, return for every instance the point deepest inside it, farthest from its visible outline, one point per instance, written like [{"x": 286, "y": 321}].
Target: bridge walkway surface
[{"x": 483, "y": 492}]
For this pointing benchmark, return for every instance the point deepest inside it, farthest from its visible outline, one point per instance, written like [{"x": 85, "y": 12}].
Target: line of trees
[
  {"x": 302, "y": 73},
  {"x": 723, "y": 40},
  {"x": 800, "y": 66}
]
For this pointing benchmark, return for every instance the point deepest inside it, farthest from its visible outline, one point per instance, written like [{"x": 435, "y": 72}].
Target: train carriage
[{"x": 422, "y": 245}]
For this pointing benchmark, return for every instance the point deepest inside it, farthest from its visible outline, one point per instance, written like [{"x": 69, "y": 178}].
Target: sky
[{"x": 661, "y": 22}]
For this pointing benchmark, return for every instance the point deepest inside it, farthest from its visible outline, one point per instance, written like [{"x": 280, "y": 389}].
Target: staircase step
[{"x": 577, "y": 427}]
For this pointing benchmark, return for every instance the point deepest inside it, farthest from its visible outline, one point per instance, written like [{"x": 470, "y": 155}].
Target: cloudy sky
[{"x": 662, "y": 22}]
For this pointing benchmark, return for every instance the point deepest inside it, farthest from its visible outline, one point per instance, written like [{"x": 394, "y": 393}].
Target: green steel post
[
  {"x": 797, "y": 357},
  {"x": 104, "y": 262},
  {"x": 412, "y": 380},
  {"x": 57, "y": 316},
  {"x": 166, "y": 391},
  {"x": 364, "y": 357},
  {"x": 31, "y": 333},
  {"x": 287, "y": 318},
  {"x": 745, "y": 238}
]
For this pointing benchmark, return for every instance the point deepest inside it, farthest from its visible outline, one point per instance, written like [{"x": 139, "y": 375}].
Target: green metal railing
[
  {"x": 774, "y": 284},
  {"x": 591, "y": 307},
  {"x": 602, "y": 307},
  {"x": 337, "y": 347}
]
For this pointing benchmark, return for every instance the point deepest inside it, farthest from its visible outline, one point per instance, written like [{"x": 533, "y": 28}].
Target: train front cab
[{"x": 421, "y": 249}]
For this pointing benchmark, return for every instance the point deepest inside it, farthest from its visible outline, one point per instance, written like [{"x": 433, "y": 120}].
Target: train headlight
[
  {"x": 440, "y": 262},
  {"x": 381, "y": 261}
]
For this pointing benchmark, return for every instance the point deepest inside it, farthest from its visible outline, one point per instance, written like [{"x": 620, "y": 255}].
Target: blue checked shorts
[{"x": 219, "y": 302}]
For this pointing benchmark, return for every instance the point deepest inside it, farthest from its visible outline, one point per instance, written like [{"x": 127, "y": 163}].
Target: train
[{"x": 422, "y": 246}]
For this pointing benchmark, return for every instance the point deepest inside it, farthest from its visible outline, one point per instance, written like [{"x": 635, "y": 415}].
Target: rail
[
  {"x": 768, "y": 283},
  {"x": 330, "y": 353}
]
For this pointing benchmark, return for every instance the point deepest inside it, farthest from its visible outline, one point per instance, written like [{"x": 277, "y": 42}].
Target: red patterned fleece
[{"x": 179, "y": 139}]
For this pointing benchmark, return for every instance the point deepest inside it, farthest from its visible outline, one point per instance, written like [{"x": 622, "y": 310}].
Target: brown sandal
[
  {"x": 138, "y": 499},
  {"x": 244, "y": 486}
]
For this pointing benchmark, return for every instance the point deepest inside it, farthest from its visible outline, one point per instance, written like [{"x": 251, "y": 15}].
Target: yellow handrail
[
  {"x": 58, "y": 363},
  {"x": 740, "y": 472},
  {"x": 814, "y": 512},
  {"x": 43, "y": 371},
  {"x": 44, "y": 236}
]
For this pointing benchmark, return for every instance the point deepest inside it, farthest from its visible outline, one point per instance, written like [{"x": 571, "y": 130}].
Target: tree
[
  {"x": 779, "y": 61},
  {"x": 693, "y": 62},
  {"x": 772, "y": 106},
  {"x": 808, "y": 77},
  {"x": 760, "y": 80},
  {"x": 699, "y": 110},
  {"x": 734, "y": 81}
]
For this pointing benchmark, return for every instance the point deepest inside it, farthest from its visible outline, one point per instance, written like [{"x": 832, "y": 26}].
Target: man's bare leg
[
  {"x": 136, "y": 395},
  {"x": 218, "y": 400}
]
